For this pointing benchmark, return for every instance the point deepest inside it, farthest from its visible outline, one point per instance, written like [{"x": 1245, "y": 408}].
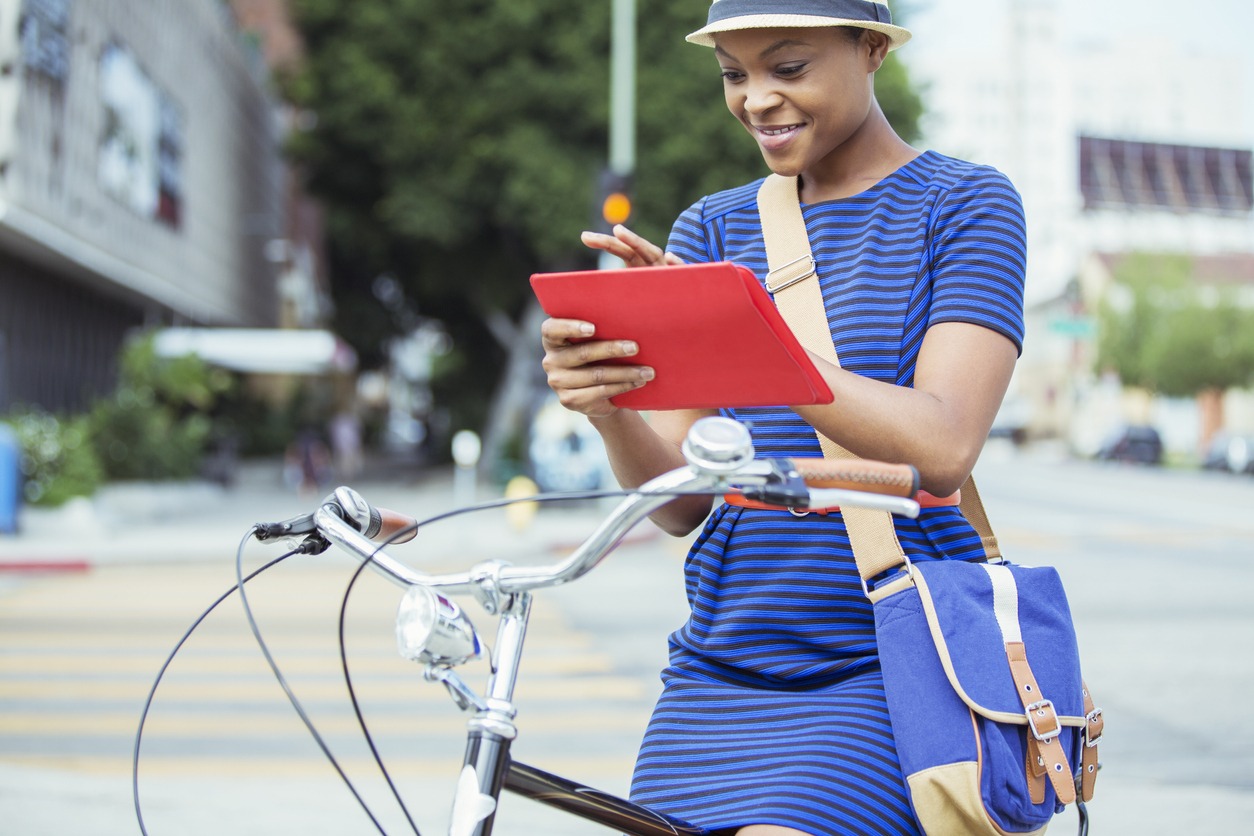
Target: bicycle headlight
[{"x": 432, "y": 629}]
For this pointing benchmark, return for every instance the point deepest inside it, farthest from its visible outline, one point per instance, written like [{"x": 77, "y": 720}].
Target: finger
[
  {"x": 630, "y": 248},
  {"x": 588, "y": 389},
  {"x": 590, "y": 379},
  {"x": 608, "y": 243},
  {"x": 644, "y": 250},
  {"x": 673, "y": 260},
  {"x": 575, "y": 355},
  {"x": 559, "y": 332}
]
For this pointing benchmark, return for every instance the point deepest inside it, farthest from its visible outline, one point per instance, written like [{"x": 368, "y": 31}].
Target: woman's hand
[
  {"x": 630, "y": 247},
  {"x": 574, "y": 362}
]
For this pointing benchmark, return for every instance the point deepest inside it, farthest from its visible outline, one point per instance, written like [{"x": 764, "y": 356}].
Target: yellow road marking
[
  {"x": 254, "y": 727},
  {"x": 174, "y": 691},
  {"x": 88, "y": 665},
  {"x": 575, "y": 766}
]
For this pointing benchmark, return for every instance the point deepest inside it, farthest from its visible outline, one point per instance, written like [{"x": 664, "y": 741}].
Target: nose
[{"x": 760, "y": 97}]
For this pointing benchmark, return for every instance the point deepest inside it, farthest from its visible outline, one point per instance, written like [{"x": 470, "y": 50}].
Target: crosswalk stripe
[
  {"x": 229, "y": 724},
  {"x": 613, "y": 687},
  {"x": 443, "y": 767},
  {"x": 28, "y": 664},
  {"x": 79, "y": 655}
]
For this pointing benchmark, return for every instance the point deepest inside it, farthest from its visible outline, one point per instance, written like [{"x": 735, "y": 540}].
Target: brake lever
[
  {"x": 782, "y": 485},
  {"x": 296, "y": 526}
]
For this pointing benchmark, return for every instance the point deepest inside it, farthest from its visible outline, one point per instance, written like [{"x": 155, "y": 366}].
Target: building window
[
  {"x": 45, "y": 45},
  {"x": 1120, "y": 174},
  {"x": 141, "y": 148}
]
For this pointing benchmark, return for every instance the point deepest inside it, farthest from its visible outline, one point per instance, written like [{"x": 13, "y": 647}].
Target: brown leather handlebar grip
[
  {"x": 859, "y": 475},
  {"x": 391, "y": 522}
]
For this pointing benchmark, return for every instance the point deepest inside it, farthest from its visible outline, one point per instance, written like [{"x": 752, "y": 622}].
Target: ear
[{"x": 875, "y": 46}]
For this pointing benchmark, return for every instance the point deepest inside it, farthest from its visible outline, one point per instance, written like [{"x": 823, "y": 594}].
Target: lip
[{"x": 774, "y": 137}]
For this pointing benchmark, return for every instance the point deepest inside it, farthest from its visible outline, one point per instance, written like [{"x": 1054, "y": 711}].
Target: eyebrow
[{"x": 773, "y": 48}]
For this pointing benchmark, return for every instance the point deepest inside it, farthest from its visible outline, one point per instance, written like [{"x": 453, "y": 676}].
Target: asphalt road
[{"x": 1159, "y": 567}]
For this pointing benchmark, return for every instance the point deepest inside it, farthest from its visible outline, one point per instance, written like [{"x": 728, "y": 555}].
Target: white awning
[{"x": 260, "y": 350}]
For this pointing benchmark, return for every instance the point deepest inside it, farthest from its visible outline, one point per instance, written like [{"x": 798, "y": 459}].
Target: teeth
[{"x": 776, "y": 131}]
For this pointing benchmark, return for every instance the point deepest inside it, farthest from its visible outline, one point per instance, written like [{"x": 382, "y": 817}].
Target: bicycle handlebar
[{"x": 720, "y": 457}]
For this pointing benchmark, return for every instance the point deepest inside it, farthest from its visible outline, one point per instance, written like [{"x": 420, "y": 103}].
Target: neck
[{"x": 872, "y": 153}]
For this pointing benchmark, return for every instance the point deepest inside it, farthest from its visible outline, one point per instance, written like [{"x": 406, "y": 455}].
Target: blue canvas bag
[{"x": 995, "y": 729}]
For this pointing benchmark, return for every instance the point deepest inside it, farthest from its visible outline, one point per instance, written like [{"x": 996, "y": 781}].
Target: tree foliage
[
  {"x": 457, "y": 147},
  {"x": 1160, "y": 331}
]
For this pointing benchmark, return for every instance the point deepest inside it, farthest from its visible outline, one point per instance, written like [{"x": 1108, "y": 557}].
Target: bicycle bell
[
  {"x": 432, "y": 629},
  {"x": 718, "y": 445}
]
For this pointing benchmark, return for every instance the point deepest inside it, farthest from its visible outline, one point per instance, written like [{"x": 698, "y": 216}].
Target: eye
[
  {"x": 732, "y": 76},
  {"x": 789, "y": 70}
]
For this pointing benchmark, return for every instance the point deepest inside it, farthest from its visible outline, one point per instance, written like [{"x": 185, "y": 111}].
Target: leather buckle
[
  {"x": 1093, "y": 720},
  {"x": 1043, "y": 708}
]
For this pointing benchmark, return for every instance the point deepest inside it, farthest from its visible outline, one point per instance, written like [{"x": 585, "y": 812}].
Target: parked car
[
  {"x": 1231, "y": 452},
  {"x": 1012, "y": 420},
  {"x": 1135, "y": 443}
]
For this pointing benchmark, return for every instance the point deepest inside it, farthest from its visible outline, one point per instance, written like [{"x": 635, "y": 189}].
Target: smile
[{"x": 777, "y": 131}]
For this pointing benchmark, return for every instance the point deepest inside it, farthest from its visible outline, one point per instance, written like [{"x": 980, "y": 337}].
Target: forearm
[
  {"x": 638, "y": 453},
  {"x": 880, "y": 421},
  {"x": 940, "y": 424}
]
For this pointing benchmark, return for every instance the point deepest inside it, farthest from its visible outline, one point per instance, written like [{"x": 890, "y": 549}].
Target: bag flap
[{"x": 973, "y": 609}]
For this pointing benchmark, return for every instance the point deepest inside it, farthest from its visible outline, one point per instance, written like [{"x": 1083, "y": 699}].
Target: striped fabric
[{"x": 773, "y": 708}]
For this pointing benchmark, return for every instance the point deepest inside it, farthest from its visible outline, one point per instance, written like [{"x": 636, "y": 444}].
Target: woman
[{"x": 772, "y": 719}]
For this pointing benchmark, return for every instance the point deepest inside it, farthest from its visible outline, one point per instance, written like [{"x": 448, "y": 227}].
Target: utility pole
[{"x": 622, "y": 150}]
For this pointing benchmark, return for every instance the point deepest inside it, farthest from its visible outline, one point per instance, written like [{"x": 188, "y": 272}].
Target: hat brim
[{"x": 897, "y": 35}]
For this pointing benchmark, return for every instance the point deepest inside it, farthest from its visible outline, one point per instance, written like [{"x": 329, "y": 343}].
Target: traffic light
[{"x": 613, "y": 203}]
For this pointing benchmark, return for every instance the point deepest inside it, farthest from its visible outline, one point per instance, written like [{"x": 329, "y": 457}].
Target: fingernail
[
  {"x": 646, "y": 373},
  {"x": 587, "y": 329},
  {"x": 629, "y": 347}
]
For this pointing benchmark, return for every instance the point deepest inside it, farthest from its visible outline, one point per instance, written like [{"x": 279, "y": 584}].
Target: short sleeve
[
  {"x": 979, "y": 255},
  {"x": 688, "y": 238}
]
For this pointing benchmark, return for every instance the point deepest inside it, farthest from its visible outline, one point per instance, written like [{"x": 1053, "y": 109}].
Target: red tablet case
[{"x": 710, "y": 331}]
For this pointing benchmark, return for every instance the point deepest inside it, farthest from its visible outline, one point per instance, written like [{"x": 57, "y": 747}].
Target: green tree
[
  {"x": 456, "y": 147},
  {"x": 1160, "y": 331}
]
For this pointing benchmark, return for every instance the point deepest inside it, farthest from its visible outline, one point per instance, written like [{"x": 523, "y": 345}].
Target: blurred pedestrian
[
  {"x": 307, "y": 463},
  {"x": 345, "y": 432}
]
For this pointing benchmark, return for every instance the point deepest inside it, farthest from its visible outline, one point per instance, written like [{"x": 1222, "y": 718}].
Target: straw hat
[{"x": 731, "y": 15}]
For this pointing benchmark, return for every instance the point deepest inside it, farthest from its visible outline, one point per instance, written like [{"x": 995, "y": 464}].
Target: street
[{"x": 1159, "y": 567}]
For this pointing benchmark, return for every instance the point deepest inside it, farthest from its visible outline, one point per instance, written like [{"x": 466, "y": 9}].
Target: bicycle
[{"x": 436, "y": 632}]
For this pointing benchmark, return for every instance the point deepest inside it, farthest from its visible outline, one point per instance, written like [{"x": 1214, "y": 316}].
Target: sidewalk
[{"x": 135, "y": 523}]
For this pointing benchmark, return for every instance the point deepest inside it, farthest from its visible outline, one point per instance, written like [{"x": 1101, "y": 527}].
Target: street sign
[{"x": 1076, "y": 327}]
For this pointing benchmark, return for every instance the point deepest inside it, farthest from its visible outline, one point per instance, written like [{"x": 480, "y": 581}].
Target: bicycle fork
[
  {"x": 487, "y": 767},
  {"x": 491, "y": 731}
]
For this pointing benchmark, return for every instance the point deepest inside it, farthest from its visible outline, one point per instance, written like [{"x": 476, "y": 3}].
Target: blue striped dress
[{"x": 772, "y": 710}]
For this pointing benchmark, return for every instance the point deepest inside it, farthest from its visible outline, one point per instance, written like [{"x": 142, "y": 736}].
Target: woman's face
[{"x": 801, "y": 93}]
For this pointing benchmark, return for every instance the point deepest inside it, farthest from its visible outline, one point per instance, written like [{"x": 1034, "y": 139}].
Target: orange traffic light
[
  {"x": 616, "y": 208},
  {"x": 613, "y": 204}
]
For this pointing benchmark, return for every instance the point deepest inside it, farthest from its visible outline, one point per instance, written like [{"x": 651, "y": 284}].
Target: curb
[{"x": 67, "y": 564}]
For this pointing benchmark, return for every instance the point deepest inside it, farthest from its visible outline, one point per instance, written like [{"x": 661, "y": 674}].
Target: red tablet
[{"x": 710, "y": 331}]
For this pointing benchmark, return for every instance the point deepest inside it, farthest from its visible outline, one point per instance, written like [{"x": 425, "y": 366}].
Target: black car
[{"x": 1136, "y": 443}]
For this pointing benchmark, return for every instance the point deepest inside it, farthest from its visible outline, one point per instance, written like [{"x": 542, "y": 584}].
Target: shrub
[
  {"x": 58, "y": 460},
  {"x": 156, "y": 424}
]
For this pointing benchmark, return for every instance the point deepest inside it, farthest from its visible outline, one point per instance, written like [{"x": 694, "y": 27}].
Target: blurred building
[
  {"x": 1118, "y": 144},
  {"x": 141, "y": 184}
]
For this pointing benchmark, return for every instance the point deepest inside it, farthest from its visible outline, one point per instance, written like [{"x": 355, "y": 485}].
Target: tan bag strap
[{"x": 793, "y": 281}]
